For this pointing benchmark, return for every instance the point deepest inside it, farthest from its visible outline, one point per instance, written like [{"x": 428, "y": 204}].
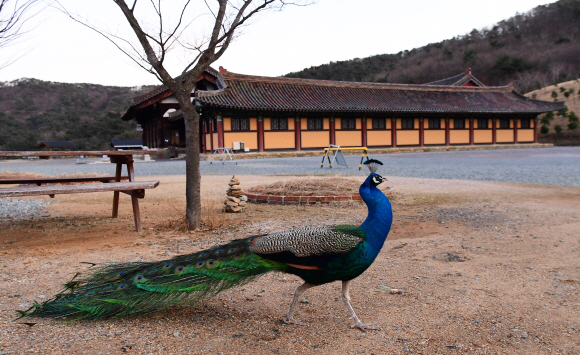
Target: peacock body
[{"x": 316, "y": 254}]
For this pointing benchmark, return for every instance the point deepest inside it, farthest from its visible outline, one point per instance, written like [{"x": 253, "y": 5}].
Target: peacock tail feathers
[{"x": 137, "y": 288}]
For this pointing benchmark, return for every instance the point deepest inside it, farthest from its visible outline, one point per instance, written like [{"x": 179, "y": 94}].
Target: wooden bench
[
  {"x": 48, "y": 180},
  {"x": 136, "y": 189},
  {"x": 54, "y": 186}
]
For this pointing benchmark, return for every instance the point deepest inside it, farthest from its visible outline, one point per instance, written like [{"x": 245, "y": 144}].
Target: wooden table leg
[
  {"x": 134, "y": 199},
  {"x": 116, "y": 193}
]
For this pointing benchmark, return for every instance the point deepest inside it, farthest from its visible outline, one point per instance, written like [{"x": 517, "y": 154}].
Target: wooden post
[
  {"x": 201, "y": 146},
  {"x": 211, "y": 133},
  {"x": 134, "y": 198},
  {"x": 421, "y": 132},
  {"x": 447, "y": 131},
  {"x": 220, "y": 131},
  {"x": 332, "y": 129},
  {"x": 364, "y": 131},
  {"x": 116, "y": 193},
  {"x": 515, "y": 130},
  {"x": 203, "y": 139},
  {"x": 471, "y": 131},
  {"x": 394, "y": 132},
  {"x": 297, "y": 131},
  {"x": 260, "y": 133},
  {"x": 535, "y": 121},
  {"x": 493, "y": 133}
]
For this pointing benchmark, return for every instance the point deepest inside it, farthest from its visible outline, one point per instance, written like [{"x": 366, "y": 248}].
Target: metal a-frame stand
[
  {"x": 337, "y": 156},
  {"x": 223, "y": 154}
]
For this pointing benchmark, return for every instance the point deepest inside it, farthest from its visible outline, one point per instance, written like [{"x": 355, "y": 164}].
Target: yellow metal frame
[{"x": 328, "y": 150}]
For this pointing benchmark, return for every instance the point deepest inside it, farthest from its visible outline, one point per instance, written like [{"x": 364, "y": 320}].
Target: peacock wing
[{"x": 307, "y": 245}]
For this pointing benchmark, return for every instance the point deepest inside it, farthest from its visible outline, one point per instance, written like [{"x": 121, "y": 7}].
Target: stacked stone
[{"x": 236, "y": 200}]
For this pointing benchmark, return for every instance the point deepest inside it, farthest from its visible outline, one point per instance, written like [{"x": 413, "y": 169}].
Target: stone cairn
[{"x": 236, "y": 200}]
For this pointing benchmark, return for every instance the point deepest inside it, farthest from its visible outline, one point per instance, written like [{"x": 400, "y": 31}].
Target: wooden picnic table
[{"x": 40, "y": 186}]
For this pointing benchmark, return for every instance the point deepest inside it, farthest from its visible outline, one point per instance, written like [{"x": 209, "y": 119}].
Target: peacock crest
[{"x": 373, "y": 165}]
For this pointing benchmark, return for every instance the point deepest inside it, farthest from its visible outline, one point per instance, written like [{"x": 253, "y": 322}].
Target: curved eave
[{"x": 129, "y": 114}]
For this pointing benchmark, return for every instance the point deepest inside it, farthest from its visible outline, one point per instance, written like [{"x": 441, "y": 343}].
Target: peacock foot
[
  {"x": 290, "y": 320},
  {"x": 364, "y": 327}
]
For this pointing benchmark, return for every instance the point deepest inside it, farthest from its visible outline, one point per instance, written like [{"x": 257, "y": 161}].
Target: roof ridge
[{"x": 354, "y": 84}]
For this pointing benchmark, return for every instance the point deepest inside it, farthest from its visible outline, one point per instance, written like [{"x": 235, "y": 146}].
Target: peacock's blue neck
[{"x": 378, "y": 223}]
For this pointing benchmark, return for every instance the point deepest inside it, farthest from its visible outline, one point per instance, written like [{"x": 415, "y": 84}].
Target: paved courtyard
[{"x": 545, "y": 166}]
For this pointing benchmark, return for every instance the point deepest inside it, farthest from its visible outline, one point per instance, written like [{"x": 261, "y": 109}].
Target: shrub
[
  {"x": 572, "y": 120},
  {"x": 544, "y": 129},
  {"x": 557, "y": 128},
  {"x": 563, "y": 112}
]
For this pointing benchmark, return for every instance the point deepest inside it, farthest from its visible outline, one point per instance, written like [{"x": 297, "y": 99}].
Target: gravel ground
[
  {"x": 483, "y": 268},
  {"x": 17, "y": 208},
  {"x": 545, "y": 166}
]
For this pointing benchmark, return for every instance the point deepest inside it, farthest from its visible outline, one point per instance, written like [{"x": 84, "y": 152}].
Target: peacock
[{"x": 318, "y": 255}]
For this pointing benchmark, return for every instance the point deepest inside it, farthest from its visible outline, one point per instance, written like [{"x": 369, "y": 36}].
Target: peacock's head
[{"x": 374, "y": 180}]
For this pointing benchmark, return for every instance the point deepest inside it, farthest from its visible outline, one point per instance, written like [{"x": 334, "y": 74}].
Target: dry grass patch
[
  {"x": 212, "y": 217},
  {"x": 330, "y": 186}
]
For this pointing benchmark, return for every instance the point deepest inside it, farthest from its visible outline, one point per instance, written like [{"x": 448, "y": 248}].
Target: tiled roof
[
  {"x": 447, "y": 81},
  {"x": 307, "y": 95},
  {"x": 126, "y": 142},
  {"x": 458, "y": 80},
  {"x": 55, "y": 144},
  {"x": 160, "y": 90}
]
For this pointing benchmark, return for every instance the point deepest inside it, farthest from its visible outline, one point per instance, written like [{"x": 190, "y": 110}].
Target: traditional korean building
[
  {"x": 44, "y": 145},
  {"x": 278, "y": 113}
]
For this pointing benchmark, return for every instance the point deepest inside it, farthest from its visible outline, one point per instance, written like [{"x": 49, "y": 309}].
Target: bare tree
[
  {"x": 14, "y": 14},
  {"x": 157, "y": 39}
]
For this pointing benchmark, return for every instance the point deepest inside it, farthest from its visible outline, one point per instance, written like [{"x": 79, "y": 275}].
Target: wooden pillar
[
  {"x": 493, "y": 132},
  {"x": 203, "y": 138},
  {"x": 220, "y": 131},
  {"x": 156, "y": 130},
  {"x": 394, "y": 132},
  {"x": 447, "y": 131},
  {"x": 535, "y": 121},
  {"x": 471, "y": 131},
  {"x": 297, "y": 132},
  {"x": 147, "y": 129},
  {"x": 211, "y": 134},
  {"x": 332, "y": 129},
  {"x": 150, "y": 134},
  {"x": 515, "y": 130},
  {"x": 201, "y": 135},
  {"x": 421, "y": 132},
  {"x": 364, "y": 131},
  {"x": 260, "y": 133}
]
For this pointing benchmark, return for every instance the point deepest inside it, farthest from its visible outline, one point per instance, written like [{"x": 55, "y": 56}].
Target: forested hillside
[
  {"x": 533, "y": 50},
  {"x": 87, "y": 115}
]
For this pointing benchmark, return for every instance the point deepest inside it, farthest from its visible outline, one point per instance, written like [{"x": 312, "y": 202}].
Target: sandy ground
[{"x": 484, "y": 268}]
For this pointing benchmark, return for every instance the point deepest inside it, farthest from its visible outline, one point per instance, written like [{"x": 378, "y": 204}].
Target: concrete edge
[{"x": 319, "y": 153}]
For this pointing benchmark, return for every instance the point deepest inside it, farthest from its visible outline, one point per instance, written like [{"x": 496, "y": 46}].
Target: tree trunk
[{"x": 192, "y": 171}]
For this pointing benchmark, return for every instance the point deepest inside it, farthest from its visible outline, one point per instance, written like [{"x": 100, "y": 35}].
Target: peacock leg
[
  {"x": 299, "y": 290},
  {"x": 346, "y": 298}
]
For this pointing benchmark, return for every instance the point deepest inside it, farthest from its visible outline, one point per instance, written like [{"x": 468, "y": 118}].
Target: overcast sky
[{"x": 275, "y": 43}]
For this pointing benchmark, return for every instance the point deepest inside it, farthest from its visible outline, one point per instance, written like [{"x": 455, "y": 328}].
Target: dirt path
[{"x": 484, "y": 268}]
